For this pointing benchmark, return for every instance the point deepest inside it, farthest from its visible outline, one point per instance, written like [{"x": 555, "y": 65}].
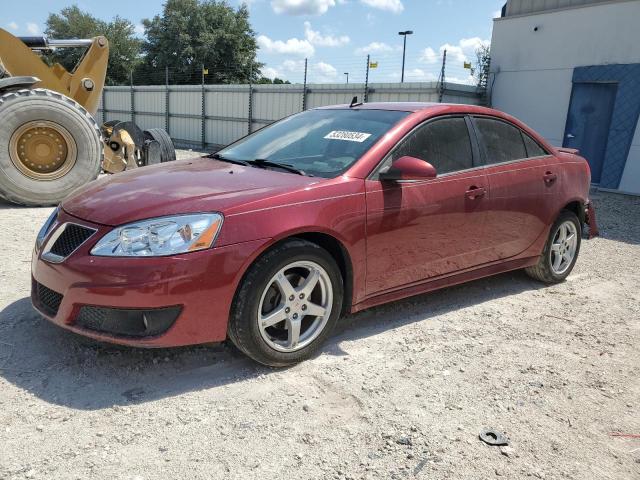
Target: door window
[
  {"x": 444, "y": 143},
  {"x": 533, "y": 149},
  {"x": 503, "y": 141}
]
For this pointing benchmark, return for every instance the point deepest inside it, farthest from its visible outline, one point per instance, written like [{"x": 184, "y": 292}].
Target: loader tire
[
  {"x": 50, "y": 146},
  {"x": 167, "y": 152}
]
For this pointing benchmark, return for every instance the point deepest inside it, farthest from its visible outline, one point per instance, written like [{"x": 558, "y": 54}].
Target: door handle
[
  {"x": 475, "y": 192},
  {"x": 549, "y": 178}
]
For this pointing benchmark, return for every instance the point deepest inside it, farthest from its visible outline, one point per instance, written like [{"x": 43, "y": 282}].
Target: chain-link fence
[{"x": 208, "y": 116}]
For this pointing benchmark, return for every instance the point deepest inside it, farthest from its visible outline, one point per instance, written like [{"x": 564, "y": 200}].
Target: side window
[
  {"x": 503, "y": 141},
  {"x": 533, "y": 149},
  {"x": 444, "y": 143}
]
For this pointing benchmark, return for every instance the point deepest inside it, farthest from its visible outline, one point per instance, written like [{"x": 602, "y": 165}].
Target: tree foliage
[
  {"x": 124, "y": 47},
  {"x": 483, "y": 64},
  {"x": 275, "y": 81},
  {"x": 191, "y": 34}
]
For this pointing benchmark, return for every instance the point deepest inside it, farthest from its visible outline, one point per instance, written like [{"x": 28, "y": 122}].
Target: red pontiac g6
[{"x": 333, "y": 210}]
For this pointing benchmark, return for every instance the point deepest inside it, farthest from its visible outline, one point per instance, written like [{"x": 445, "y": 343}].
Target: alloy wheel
[
  {"x": 295, "y": 306},
  {"x": 563, "y": 247}
]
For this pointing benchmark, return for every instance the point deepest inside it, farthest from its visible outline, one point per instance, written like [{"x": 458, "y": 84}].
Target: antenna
[{"x": 354, "y": 102}]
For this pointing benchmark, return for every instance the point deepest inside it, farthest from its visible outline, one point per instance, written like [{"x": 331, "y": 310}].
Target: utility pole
[
  {"x": 404, "y": 50},
  {"x": 347, "y": 74},
  {"x": 304, "y": 87}
]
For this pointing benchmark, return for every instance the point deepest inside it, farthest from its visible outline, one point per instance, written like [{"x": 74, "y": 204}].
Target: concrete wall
[
  {"x": 531, "y": 71},
  {"x": 226, "y": 107}
]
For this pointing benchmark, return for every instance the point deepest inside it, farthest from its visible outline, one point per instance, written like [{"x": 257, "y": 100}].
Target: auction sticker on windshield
[{"x": 348, "y": 136}]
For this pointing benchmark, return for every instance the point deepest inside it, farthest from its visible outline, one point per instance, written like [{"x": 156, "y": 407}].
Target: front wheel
[
  {"x": 561, "y": 250},
  {"x": 287, "y": 304}
]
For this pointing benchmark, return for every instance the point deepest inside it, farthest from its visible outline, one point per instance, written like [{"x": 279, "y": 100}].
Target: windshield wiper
[
  {"x": 285, "y": 166},
  {"x": 217, "y": 156}
]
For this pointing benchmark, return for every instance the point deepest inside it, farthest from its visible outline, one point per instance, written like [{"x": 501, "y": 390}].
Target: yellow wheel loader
[{"x": 50, "y": 143}]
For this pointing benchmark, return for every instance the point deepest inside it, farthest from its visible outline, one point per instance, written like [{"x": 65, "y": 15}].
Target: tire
[
  {"x": 167, "y": 151},
  {"x": 266, "y": 345},
  {"x": 25, "y": 106},
  {"x": 544, "y": 270}
]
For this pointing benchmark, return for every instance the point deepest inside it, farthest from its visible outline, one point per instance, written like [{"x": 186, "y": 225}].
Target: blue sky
[{"x": 335, "y": 35}]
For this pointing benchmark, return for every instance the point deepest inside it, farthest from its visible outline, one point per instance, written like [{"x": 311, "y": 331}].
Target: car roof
[{"x": 411, "y": 107}]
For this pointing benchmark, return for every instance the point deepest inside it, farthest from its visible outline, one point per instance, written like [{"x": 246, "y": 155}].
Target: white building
[{"x": 571, "y": 70}]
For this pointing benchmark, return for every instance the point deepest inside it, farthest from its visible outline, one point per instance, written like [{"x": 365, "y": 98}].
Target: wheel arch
[
  {"x": 326, "y": 240},
  {"x": 576, "y": 206}
]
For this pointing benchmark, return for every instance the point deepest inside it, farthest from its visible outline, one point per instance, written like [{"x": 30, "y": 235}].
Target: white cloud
[
  {"x": 394, "y": 6},
  {"x": 376, "y": 47},
  {"x": 13, "y": 25},
  {"x": 497, "y": 14},
  {"x": 33, "y": 28},
  {"x": 323, "y": 72},
  {"x": 139, "y": 29},
  {"x": 463, "y": 51},
  {"x": 429, "y": 56},
  {"x": 316, "y": 38},
  {"x": 293, "y": 66},
  {"x": 302, "y": 7},
  {"x": 270, "y": 72},
  {"x": 292, "y": 46}
]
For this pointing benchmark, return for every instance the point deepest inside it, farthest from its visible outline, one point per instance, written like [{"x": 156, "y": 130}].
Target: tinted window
[
  {"x": 323, "y": 142},
  {"x": 445, "y": 144},
  {"x": 503, "y": 141},
  {"x": 533, "y": 149}
]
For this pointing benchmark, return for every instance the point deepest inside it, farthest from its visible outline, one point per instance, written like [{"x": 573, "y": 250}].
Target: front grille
[
  {"x": 71, "y": 238},
  {"x": 46, "y": 299}
]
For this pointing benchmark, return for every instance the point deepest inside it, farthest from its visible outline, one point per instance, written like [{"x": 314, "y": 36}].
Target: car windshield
[{"x": 322, "y": 143}]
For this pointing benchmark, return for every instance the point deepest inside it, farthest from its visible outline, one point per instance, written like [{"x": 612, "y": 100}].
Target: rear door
[
  {"x": 523, "y": 178},
  {"x": 417, "y": 230}
]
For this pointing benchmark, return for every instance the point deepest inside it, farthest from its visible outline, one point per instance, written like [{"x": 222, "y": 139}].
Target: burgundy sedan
[{"x": 329, "y": 211}]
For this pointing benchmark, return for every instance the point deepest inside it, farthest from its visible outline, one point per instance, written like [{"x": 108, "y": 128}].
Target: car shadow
[{"x": 65, "y": 369}]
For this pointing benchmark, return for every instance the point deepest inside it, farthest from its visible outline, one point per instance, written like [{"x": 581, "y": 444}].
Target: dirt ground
[{"x": 400, "y": 391}]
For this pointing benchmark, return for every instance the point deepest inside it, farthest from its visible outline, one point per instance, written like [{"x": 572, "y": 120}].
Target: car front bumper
[{"x": 150, "y": 302}]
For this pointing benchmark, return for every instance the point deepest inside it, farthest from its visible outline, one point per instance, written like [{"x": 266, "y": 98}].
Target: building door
[{"x": 589, "y": 121}]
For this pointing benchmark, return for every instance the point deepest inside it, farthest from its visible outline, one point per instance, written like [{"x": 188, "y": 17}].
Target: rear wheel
[
  {"x": 52, "y": 147},
  {"x": 561, "y": 250},
  {"x": 287, "y": 304}
]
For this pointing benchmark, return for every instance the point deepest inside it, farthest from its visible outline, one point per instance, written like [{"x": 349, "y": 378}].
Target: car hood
[{"x": 186, "y": 186}]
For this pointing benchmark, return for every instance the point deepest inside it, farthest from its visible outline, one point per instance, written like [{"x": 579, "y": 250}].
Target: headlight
[
  {"x": 161, "y": 236},
  {"x": 46, "y": 227}
]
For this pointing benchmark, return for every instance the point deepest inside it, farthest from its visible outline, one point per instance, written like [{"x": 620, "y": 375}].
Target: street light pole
[
  {"x": 404, "y": 50},
  {"x": 347, "y": 74}
]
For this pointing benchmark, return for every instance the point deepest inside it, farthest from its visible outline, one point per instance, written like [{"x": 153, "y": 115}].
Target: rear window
[{"x": 503, "y": 141}]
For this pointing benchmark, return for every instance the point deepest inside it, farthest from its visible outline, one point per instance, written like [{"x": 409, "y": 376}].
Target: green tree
[
  {"x": 195, "y": 33},
  {"x": 276, "y": 81},
  {"x": 481, "y": 69},
  {"x": 124, "y": 47}
]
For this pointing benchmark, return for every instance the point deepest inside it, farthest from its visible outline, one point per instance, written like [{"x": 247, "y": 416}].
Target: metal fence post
[
  {"x": 304, "y": 87},
  {"x": 366, "y": 81},
  {"x": 166, "y": 99},
  {"x": 104, "y": 104},
  {"x": 250, "y": 112},
  {"x": 443, "y": 76},
  {"x": 203, "y": 118},
  {"x": 133, "y": 98}
]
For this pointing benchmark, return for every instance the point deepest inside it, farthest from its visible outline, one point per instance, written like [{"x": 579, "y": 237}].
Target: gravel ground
[{"x": 400, "y": 391}]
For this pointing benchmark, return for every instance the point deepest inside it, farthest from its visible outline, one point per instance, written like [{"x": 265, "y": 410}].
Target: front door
[
  {"x": 425, "y": 229},
  {"x": 589, "y": 121}
]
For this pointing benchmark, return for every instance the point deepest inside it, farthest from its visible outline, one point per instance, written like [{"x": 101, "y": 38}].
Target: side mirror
[{"x": 408, "y": 168}]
